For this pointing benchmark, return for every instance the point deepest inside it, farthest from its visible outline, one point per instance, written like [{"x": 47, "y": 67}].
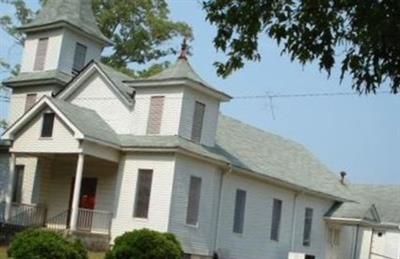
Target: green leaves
[
  {"x": 140, "y": 29},
  {"x": 366, "y": 33}
]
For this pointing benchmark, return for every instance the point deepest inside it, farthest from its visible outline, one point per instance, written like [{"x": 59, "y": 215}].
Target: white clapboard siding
[
  {"x": 160, "y": 197},
  {"x": 195, "y": 239},
  {"x": 210, "y": 120},
  {"x": 96, "y": 94},
  {"x": 29, "y": 140}
]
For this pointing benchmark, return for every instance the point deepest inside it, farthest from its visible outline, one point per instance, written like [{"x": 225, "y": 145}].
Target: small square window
[{"x": 48, "y": 125}]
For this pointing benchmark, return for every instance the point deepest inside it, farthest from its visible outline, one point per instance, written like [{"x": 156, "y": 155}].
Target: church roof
[
  {"x": 181, "y": 70},
  {"x": 77, "y": 13},
  {"x": 29, "y": 78}
]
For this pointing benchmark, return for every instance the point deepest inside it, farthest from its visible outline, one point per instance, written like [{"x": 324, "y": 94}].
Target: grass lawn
[{"x": 3, "y": 254}]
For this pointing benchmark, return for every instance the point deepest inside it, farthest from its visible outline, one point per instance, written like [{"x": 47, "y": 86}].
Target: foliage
[
  {"x": 43, "y": 244},
  {"x": 364, "y": 36},
  {"x": 146, "y": 244},
  {"x": 140, "y": 29}
]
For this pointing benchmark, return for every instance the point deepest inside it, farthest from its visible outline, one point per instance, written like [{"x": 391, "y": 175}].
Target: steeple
[
  {"x": 184, "y": 50},
  {"x": 76, "y": 14}
]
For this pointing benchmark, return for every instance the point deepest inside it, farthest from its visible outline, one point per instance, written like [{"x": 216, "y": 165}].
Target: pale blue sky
[{"x": 357, "y": 134}]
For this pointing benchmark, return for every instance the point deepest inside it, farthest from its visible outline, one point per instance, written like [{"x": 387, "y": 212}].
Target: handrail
[
  {"x": 27, "y": 214},
  {"x": 94, "y": 221}
]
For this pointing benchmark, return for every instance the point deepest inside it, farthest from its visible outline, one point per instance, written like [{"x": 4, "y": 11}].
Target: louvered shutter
[
  {"x": 41, "y": 53},
  {"x": 143, "y": 191},
  {"x": 192, "y": 215},
  {"x": 30, "y": 101},
  {"x": 198, "y": 118},
  {"x": 240, "y": 207},
  {"x": 276, "y": 219},
  {"x": 79, "y": 58},
  {"x": 155, "y": 114}
]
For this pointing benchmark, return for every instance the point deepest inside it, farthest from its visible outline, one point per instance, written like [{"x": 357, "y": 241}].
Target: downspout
[
  {"x": 219, "y": 211},
  {"x": 294, "y": 215},
  {"x": 356, "y": 243}
]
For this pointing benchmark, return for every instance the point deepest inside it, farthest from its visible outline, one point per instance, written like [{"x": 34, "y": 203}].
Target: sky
[{"x": 356, "y": 134}]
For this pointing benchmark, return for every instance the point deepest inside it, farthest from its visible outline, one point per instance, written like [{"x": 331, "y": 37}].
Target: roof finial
[{"x": 184, "y": 50}]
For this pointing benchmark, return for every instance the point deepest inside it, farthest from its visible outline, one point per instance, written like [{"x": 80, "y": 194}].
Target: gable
[
  {"x": 28, "y": 140},
  {"x": 93, "y": 90}
]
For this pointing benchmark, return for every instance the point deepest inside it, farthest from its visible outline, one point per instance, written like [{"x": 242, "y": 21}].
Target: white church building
[{"x": 93, "y": 151}]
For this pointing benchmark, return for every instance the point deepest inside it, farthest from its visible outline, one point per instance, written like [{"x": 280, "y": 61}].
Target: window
[
  {"x": 276, "y": 219},
  {"x": 30, "y": 101},
  {"x": 240, "y": 207},
  {"x": 155, "y": 114},
  {"x": 79, "y": 58},
  {"x": 17, "y": 184},
  {"x": 192, "y": 215},
  {"x": 41, "y": 53},
  {"x": 48, "y": 124},
  {"x": 307, "y": 227},
  {"x": 143, "y": 190},
  {"x": 198, "y": 118}
]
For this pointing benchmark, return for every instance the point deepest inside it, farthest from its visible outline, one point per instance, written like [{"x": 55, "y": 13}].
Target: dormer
[
  {"x": 59, "y": 42},
  {"x": 177, "y": 102}
]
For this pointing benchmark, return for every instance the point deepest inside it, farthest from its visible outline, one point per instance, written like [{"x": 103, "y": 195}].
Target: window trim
[
  {"x": 41, "y": 66},
  {"x": 43, "y": 125},
  {"x": 75, "y": 70},
  {"x": 239, "y": 229},
  {"x": 18, "y": 185},
  {"x": 27, "y": 104},
  {"x": 308, "y": 221},
  {"x": 192, "y": 177},
  {"x": 193, "y": 136},
  {"x": 136, "y": 201},
  {"x": 149, "y": 130},
  {"x": 272, "y": 237}
]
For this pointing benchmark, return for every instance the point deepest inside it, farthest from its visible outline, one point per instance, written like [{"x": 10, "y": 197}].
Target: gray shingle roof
[
  {"x": 252, "y": 149},
  {"x": 117, "y": 78},
  {"x": 178, "y": 71},
  {"x": 87, "y": 121},
  {"x": 385, "y": 198},
  {"x": 38, "y": 76},
  {"x": 77, "y": 13}
]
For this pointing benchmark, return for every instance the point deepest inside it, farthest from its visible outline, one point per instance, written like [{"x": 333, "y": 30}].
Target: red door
[{"x": 87, "y": 202}]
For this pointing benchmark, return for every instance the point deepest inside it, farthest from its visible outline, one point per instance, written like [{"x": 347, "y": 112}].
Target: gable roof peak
[{"x": 76, "y": 13}]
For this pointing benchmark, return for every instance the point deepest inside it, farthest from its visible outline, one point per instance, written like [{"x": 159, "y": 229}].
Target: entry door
[{"x": 87, "y": 201}]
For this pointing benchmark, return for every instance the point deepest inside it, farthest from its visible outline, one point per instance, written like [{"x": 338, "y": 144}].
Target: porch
[{"x": 67, "y": 192}]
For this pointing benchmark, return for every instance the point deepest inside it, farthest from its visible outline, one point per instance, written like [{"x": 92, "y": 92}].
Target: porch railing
[
  {"x": 27, "y": 215},
  {"x": 94, "y": 221}
]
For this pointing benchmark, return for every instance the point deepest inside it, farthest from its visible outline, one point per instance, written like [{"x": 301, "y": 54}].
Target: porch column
[
  {"x": 77, "y": 191},
  {"x": 10, "y": 185}
]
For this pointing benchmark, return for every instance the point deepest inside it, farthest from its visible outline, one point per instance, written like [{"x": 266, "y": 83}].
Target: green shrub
[
  {"x": 145, "y": 244},
  {"x": 41, "y": 244}
]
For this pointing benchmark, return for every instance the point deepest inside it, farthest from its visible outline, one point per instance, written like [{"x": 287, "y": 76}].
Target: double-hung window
[
  {"x": 41, "y": 53},
  {"x": 308, "y": 217},
  {"x": 17, "y": 184},
  {"x": 276, "y": 219},
  {"x": 143, "y": 191},
  {"x": 79, "y": 58},
  {"x": 240, "y": 208},
  {"x": 47, "y": 125},
  {"x": 192, "y": 215}
]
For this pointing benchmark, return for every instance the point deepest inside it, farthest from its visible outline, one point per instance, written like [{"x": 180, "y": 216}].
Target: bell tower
[{"x": 59, "y": 42}]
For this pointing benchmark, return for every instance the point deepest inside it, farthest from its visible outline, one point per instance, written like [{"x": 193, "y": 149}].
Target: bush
[
  {"x": 41, "y": 244},
  {"x": 145, "y": 244}
]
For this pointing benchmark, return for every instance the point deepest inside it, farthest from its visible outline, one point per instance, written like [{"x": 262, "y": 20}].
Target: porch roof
[
  {"x": 386, "y": 200},
  {"x": 88, "y": 122}
]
